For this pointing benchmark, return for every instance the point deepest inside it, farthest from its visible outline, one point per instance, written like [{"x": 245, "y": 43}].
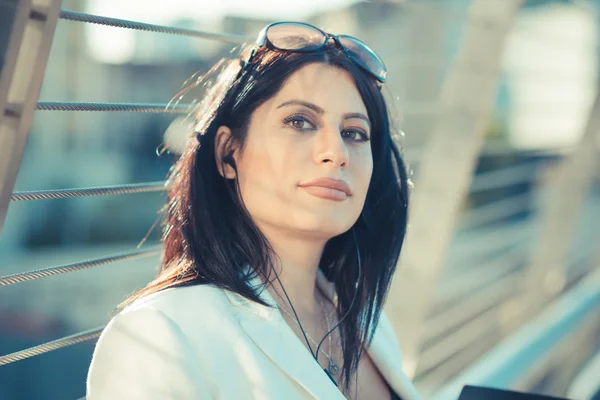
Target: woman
[{"x": 286, "y": 216}]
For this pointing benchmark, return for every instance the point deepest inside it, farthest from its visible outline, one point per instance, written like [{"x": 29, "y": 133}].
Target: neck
[{"x": 296, "y": 263}]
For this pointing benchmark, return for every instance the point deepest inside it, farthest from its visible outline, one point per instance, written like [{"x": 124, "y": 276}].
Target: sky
[
  {"x": 566, "y": 84},
  {"x": 210, "y": 9},
  {"x": 553, "y": 75},
  {"x": 116, "y": 45}
]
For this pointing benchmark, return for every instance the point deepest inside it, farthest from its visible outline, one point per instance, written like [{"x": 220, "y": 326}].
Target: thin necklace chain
[{"x": 333, "y": 367}]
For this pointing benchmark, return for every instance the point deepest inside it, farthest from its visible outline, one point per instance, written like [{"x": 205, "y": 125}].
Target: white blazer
[{"x": 201, "y": 342}]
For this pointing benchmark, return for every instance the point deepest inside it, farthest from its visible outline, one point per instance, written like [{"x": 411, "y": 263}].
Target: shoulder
[
  {"x": 144, "y": 351},
  {"x": 179, "y": 302},
  {"x": 385, "y": 329},
  {"x": 191, "y": 310},
  {"x": 170, "y": 314}
]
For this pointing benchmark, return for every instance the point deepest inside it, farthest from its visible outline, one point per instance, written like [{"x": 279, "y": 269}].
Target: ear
[{"x": 223, "y": 148}]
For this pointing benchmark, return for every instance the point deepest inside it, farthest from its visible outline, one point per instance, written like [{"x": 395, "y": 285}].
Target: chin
[{"x": 324, "y": 225}]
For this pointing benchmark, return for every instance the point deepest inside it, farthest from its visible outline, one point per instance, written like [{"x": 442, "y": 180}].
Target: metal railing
[
  {"x": 511, "y": 362},
  {"x": 586, "y": 385},
  {"x": 476, "y": 299}
]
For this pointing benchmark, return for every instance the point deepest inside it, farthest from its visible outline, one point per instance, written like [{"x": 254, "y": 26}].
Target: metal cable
[
  {"x": 158, "y": 186},
  {"x": 61, "y": 269},
  {"x": 141, "y": 26},
  {"x": 494, "y": 211},
  {"x": 53, "y": 345},
  {"x": 118, "y": 107},
  {"x": 501, "y": 177}
]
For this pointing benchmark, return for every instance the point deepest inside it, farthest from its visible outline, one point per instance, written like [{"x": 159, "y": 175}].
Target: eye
[
  {"x": 299, "y": 122},
  {"x": 355, "y": 135}
]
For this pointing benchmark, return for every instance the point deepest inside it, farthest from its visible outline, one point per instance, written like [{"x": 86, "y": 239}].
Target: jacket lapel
[
  {"x": 282, "y": 346},
  {"x": 390, "y": 367},
  {"x": 269, "y": 331}
]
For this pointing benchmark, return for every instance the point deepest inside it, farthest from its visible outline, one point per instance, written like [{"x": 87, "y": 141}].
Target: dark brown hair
[{"x": 209, "y": 237}]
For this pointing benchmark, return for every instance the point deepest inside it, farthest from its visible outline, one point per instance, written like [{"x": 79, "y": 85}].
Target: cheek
[
  {"x": 363, "y": 170},
  {"x": 263, "y": 171}
]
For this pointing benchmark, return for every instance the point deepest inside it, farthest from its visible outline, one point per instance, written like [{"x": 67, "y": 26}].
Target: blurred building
[
  {"x": 416, "y": 39},
  {"x": 549, "y": 75}
]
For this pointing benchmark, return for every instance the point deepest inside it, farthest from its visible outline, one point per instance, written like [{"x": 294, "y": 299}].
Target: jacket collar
[{"x": 276, "y": 339}]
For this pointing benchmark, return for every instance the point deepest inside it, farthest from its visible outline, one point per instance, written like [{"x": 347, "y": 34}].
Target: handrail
[
  {"x": 586, "y": 384},
  {"x": 517, "y": 354},
  {"x": 483, "y": 327},
  {"x": 505, "y": 237},
  {"x": 435, "y": 353},
  {"x": 478, "y": 327},
  {"x": 452, "y": 289},
  {"x": 511, "y": 233},
  {"x": 470, "y": 306}
]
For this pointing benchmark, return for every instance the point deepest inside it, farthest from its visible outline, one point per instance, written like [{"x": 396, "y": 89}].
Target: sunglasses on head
[{"x": 299, "y": 37}]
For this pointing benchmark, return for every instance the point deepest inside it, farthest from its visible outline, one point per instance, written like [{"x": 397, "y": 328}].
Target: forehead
[{"x": 329, "y": 87}]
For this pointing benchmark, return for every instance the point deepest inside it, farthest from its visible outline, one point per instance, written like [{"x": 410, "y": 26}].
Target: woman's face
[{"x": 306, "y": 164}]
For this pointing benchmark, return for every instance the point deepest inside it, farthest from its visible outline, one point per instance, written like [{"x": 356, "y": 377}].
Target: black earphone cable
[
  {"x": 228, "y": 159},
  {"x": 295, "y": 315},
  {"x": 315, "y": 356},
  {"x": 351, "y": 303}
]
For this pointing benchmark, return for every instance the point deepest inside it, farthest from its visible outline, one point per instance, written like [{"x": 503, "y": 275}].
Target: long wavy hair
[{"x": 209, "y": 237}]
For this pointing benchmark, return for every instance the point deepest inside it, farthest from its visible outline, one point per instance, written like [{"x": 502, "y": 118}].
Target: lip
[{"x": 328, "y": 188}]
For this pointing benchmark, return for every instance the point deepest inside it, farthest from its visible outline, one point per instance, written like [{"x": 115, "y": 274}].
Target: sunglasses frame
[{"x": 263, "y": 41}]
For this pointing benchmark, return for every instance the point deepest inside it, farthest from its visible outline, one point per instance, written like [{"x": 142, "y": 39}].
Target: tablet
[{"x": 479, "y": 393}]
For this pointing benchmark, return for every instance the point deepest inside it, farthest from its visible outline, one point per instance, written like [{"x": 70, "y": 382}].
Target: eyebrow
[{"x": 321, "y": 111}]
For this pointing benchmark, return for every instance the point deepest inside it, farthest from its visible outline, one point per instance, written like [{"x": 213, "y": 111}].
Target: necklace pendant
[
  {"x": 333, "y": 368},
  {"x": 330, "y": 377}
]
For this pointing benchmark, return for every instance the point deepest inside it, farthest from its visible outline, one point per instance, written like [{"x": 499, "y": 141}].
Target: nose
[{"x": 330, "y": 148}]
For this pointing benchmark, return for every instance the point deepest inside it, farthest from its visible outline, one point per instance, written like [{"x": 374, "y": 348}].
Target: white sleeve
[
  {"x": 387, "y": 329},
  {"x": 142, "y": 354}
]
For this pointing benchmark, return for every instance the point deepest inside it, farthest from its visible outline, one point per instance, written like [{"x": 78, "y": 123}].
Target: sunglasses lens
[
  {"x": 363, "y": 55},
  {"x": 294, "y": 36}
]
